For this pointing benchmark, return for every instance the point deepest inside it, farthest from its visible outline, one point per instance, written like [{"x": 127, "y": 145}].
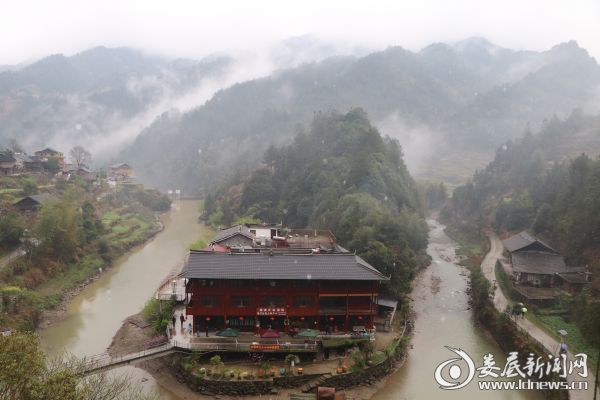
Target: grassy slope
[{"x": 206, "y": 233}]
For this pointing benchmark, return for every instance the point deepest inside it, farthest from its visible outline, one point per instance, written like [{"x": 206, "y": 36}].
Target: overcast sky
[{"x": 194, "y": 28}]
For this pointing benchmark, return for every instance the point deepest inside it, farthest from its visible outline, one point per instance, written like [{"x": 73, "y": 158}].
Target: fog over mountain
[
  {"x": 98, "y": 98},
  {"x": 103, "y": 98},
  {"x": 450, "y": 105}
]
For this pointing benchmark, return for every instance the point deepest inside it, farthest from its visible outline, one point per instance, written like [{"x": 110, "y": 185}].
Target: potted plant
[{"x": 291, "y": 360}]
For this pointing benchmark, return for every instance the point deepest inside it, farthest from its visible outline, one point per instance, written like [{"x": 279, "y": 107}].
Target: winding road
[{"x": 500, "y": 302}]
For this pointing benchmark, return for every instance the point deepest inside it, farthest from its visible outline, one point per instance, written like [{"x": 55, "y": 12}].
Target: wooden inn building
[{"x": 281, "y": 279}]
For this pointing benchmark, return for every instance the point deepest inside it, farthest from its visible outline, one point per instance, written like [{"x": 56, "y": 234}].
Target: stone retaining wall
[{"x": 365, "y": 376}]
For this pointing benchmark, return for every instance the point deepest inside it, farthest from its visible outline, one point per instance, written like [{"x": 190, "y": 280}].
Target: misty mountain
[
  {"x": 563, "y": 78},
  {"x": 62, "y": 101},
  {"x": 465, "y": 98}
]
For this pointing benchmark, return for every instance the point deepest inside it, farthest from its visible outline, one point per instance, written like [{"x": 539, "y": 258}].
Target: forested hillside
[
  {"x": 545, "y": 183},
  {"x": 340, "y": 175},
  {"x": 459, "y": 99}
]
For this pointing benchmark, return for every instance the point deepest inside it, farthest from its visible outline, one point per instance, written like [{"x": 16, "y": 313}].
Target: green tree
[
  {"x": 52, "y": 165},
  {"x": 11, "y": 229},
  {"x": 29, "y": 188},
  {"x": 26, "y": 373},
  {"x": 58, "y": 228},
  {"x": 91, "y": 225}
]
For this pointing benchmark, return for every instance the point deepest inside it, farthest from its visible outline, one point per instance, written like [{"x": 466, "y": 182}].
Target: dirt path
[
  {"x": 500, "y": 302},
  {"x": 18, "y": 252}
]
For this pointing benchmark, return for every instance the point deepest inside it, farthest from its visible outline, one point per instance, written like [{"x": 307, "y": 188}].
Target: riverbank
[
  {"x": 488, "y": 306},
  {"x": 57, "y": 314},
  {"x": 67, "y": 242}
]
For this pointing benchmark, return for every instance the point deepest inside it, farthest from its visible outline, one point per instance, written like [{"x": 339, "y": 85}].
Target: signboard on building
[{"x": 271, "y": 311}]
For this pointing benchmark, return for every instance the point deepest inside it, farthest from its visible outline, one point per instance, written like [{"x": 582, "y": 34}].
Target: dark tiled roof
[
  {"x": 39, "y": 198},
  {"x": 574, "y": 277},
  {"x": 48, "y": 150},
  {"x": 4, "y": 157},
  {"x": 536, "y": 262},
  {"x": 522, "y": 240},
  {"x": 232, "y": 231},
  {"x": 263, "y": 266},
  {"x": 120, "y": 165}
]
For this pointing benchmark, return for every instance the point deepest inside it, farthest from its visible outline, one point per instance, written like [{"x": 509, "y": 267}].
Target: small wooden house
[
  {"x": 7, "y": 164},
  {"x": 534, "y": 262},
  {"x": 48, "y": 153},
  {"x": 34, "y": 202},
  {"x": 121, "y": 171}
]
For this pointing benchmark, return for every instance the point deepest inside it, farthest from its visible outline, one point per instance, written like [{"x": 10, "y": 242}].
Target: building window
[
  {"x": 304, "y": 301},
  {"x": 208, "y": 301},
  {"x": 332, "y": 302},
  {"x": 272, "y": 301},
  {"x": 240, "y": 301},
  {"x": 241, "y": 322}
]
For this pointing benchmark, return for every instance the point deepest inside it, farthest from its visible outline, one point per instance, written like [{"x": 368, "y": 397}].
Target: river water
[
  {"x": 443, "y": 319},
  {"x": 440, "y": 302},
  {"x": 95, "y": 315}
]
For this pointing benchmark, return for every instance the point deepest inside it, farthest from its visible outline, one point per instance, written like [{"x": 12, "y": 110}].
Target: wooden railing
[{"x": 106, "y": 361}]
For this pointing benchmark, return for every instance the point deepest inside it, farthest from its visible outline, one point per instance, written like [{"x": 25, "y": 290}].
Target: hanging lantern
[
  {"x": 241, "y": 318},
  {"x": 272, "y": 318},
  {"x": 207, "y": 319},
  {"x": 360, "y": 317},
  {"x": 301, "y": 318},
  {"x": 331, "y": 318}
]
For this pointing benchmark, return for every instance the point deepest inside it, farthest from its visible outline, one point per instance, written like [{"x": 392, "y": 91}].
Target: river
[
  {"x": 440, "y": 302},
  {"x": 95, "y": 315},
  {"x": 443, "y": 319}
]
